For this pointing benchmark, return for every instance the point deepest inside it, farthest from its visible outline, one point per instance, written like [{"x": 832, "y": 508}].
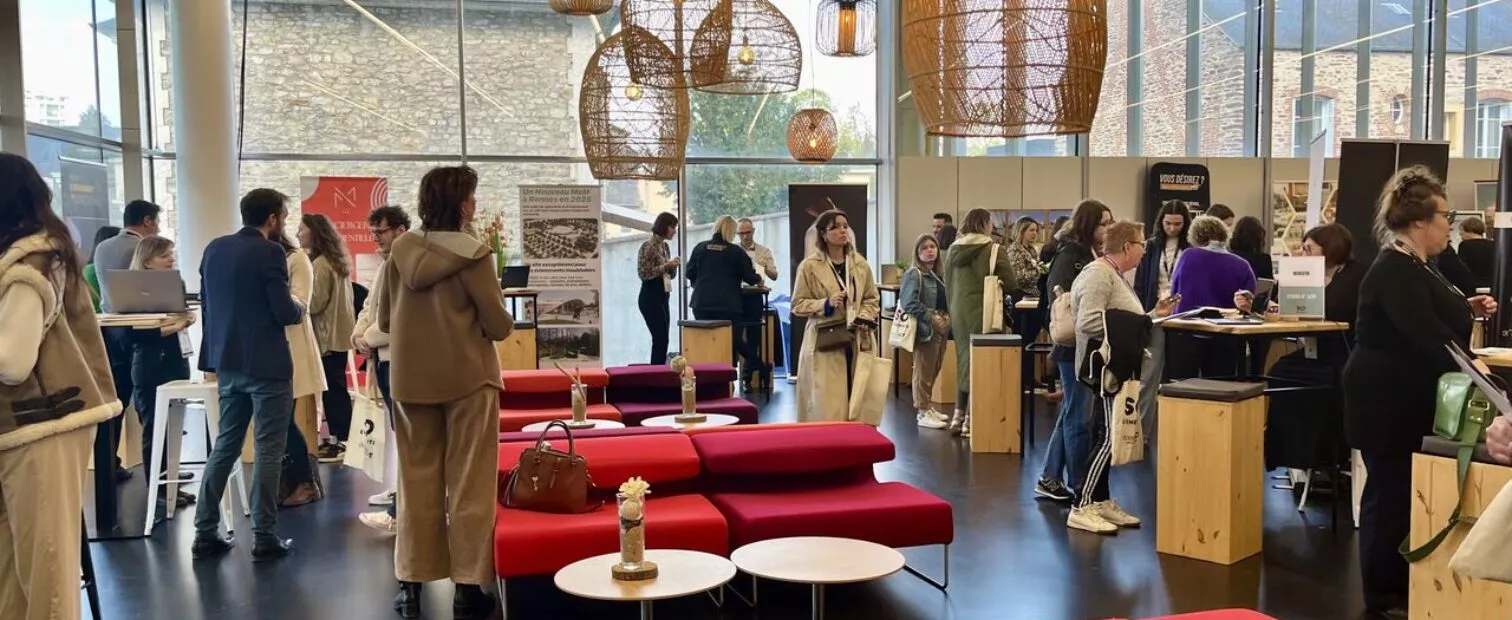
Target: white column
[{"x": 204, "y": 128}]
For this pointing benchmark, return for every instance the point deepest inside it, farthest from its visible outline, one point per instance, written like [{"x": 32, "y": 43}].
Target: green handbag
[{"x": 1460, "y": 415}]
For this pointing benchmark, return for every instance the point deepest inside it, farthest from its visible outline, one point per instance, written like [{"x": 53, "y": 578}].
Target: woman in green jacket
[
  {"x": 90, "y": 276},
  {"x": 967, "y": 264}
]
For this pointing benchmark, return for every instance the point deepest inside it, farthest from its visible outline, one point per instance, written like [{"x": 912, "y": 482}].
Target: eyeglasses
[
  {"x": 379, "y": 232},
  {"x": 1448, "y": 215}
]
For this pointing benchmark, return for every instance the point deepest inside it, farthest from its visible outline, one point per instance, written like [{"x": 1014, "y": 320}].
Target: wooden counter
[{"x": 1268, "y": 328}]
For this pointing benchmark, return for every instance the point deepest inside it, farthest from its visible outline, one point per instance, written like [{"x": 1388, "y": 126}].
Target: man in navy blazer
[{"x": 244, "y": 286}]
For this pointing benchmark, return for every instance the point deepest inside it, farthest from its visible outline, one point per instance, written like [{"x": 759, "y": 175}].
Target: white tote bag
[
  {"x": 903, "y": 329},
  {"x": 869, "y": 388},
  {"x": 366, "y": 444},
  {"x": 1483, "y": 554},
  {"x": 992, "y": 296},
  {"x": 1124, "y": 427}
]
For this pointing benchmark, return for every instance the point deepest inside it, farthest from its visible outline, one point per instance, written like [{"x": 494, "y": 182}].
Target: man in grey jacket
[{"x": 141, "y": 219}]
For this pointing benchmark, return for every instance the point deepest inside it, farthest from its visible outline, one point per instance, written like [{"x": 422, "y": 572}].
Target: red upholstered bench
[
  {"x": 1219, "y": 614},
  {"x": 556, "y": 433},
  {"x": 817, "y": 480},
  {"x": 634, "y": 413},
  {"x": 645, "y": 391},
  {"x": 531, "y": 396},
  {"x": 528, "y": 543}
]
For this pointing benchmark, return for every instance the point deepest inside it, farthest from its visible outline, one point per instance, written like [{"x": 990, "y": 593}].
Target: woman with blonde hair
[
  {"x": 973, "y": 257},
  {"x": 923, "y": 299},
  {"x": 1025, "y": 259},
  {"x": 157, "y": 357},
  {"x": 333, "y": 314},
  {"x": 717, "y": 268},
  {"x": 834, "y": 289}
]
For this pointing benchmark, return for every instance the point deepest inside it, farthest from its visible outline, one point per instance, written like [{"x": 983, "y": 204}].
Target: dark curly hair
[{"x": 1248, "y": 236}]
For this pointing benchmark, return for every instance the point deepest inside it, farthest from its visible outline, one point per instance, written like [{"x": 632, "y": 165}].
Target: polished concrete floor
[{"x": 1013, "y": 559}]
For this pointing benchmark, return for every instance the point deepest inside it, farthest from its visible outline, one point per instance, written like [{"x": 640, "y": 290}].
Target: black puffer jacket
[{"x": 717, "y": 270}]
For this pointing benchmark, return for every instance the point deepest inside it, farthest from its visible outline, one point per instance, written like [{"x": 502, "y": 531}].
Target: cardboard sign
[{"x": 1301, "y": 280}]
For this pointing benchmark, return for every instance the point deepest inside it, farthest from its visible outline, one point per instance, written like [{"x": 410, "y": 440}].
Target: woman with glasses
[
  {"x": 834, "y": 287},
  {"x": 1408, "y": 314}
]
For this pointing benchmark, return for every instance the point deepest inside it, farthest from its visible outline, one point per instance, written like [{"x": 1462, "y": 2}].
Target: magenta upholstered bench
[{"x": 646, "y": 391}]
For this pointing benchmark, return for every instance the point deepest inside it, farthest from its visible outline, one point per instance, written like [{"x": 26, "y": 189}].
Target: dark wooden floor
[{"x": 1013, "y": 559}]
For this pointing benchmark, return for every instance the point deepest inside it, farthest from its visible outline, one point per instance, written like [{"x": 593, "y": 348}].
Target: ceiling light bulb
[
  {"x": 633, "y": 91},
  {"x": 747, "y": 56},
  {"x": 813, "y": 143}
]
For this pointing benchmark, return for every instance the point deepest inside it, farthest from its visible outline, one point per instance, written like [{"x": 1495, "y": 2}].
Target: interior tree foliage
[{"x": 756, "y": 126}]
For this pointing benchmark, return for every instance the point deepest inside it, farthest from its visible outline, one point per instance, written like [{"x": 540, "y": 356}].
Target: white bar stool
[{"x": 167, "y": 434}]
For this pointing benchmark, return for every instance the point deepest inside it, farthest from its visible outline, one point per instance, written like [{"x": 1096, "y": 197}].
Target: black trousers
[
  {"x": 745, "y": 347},
  {"x": 336, "y": 400},
  {"x": 1100, "y": 456},
  {"x": 1190, "y": 355},
  {"x": 154, "y": 361},
  {"x": 653, "y": 308},
  {"x": 1385, "y": 519}
]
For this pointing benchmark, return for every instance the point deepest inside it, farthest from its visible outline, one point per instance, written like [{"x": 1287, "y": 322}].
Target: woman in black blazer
[{"x": 1408, "y": 313}]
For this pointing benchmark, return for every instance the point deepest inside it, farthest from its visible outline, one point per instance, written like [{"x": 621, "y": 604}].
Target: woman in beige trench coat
[
  {"x": 818, "y": 293},
  {"x": 309, "y": 376}
]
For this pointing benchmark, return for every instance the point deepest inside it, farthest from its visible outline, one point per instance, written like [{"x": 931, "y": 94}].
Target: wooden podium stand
[
  {"x": 1210, "y": 478},
  {"x": 996, "y": 400},
  {"x": 1434, "y": 590},
  {"x": 707, "y": 342}
]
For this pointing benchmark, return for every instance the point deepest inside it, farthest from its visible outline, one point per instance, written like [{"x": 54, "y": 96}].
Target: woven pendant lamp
[
  {"x": 847, "y": 27},
  {"x": 1005, "y": 68},
  {"x": 631, "y": 130},
  {"x": 812, "y": 136},
  {"x": 746, "y": 47},
  {"x": 673, "y": 25},
  {"x": 582, "y": 8}
]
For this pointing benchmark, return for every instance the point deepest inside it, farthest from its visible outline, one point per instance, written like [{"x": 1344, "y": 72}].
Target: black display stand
[
  {"x": 1364, "y": 168},
  {"x": 1188, "y": 183}
]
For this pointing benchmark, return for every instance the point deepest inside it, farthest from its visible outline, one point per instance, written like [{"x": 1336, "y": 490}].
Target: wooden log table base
[
  {"x": 1434, "y": 591},
  {"x": 1210, "y": 479}
]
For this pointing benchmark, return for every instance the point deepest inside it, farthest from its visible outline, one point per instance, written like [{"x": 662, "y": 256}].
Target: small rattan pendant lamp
[
  {"x": 812, "y": 136},
  {"x": 847, "y": 27},
  {"x": 582, "y": 8},
  {"x": 672, "y": 25},
  {"x": 1005, "y": 68},
  {"x": 631, "y": 130}
]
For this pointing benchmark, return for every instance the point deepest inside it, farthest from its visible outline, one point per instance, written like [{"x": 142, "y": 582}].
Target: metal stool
[
  {"x": 1032, "y": 352},
  {"x": 86, "y": 565}
]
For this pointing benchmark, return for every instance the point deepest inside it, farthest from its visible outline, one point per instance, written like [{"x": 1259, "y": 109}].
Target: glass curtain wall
[{"x": 365, "y": 88}]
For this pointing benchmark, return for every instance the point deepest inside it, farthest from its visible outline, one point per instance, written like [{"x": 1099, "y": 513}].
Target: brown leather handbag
[
  {"x": 547, "y": 480},
  {"x": 831, "y": 334}
]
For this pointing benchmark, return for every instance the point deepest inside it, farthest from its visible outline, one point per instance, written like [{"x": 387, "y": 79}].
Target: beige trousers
[
  {"x": 448, "y": 468},
  {"x": 927, "y": 357},
  {"x": 41, "y": 522}
]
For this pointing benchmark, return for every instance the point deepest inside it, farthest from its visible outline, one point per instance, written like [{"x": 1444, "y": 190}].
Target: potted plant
[{"x": 893, "y": 274}]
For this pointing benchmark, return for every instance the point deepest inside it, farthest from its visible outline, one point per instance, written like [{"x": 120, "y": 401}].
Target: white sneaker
[
  {"x": 1088, "y": 519},
  {"x": 937, "y": 415},
  {"x": 1111, "y": 512},
  {"x": 380, "y": 521},
  {"x": 926, "y": 420},
  {"x": 385, "y": 498}
]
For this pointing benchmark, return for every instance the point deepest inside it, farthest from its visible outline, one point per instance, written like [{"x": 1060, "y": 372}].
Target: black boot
[
  {"x": 472, "y": 603},
  {"x": 271, "y": 548},
  {"x": 210, "y": 546},
  {"x": 407, "y": 602}
]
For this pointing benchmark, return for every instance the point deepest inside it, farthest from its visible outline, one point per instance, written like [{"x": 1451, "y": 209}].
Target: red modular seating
[
  {"x": 816, "y": 482},
  {"x": 1219, "y": 614},
  {"x": 556, "y": 433},
  {"x": 646, "y": 391},
  {"x": 531, "y": 543},
  {"x": 531, "y": 396},
  {"x": 761, "y": 482}
]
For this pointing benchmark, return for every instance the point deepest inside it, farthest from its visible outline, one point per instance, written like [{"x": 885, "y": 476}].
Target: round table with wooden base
[
  {"x": 597, "y": 425},
  {"x": 710, "y": 419},
  {"x": 680, "y": 573},
  {"x": 818, "y": 561}
]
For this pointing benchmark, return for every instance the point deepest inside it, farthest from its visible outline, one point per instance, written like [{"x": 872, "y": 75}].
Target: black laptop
[{"x": 515, "y": 276}]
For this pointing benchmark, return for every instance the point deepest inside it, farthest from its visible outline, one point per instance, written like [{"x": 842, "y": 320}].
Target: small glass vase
[{"x": 632, "y": 518}]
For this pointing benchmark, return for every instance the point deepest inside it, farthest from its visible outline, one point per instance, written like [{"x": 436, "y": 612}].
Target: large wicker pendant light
[
  {"x": 631, "y": 130},
  {"x": 746, "y": 47},
  {"x": 672, "y": 25},
  {"x": 847, "y": 27},
  {"x": 812, "y": 137},
  {"x": 1005, "y": 68},
  {"x": 582, "y": 8}
]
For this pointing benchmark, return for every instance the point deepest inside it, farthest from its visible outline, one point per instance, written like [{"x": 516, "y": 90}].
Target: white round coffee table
[
  {"x": 818, "y": 561},
  {"x": 597, "y": 425},
  {"x": 680, "y": 573},
  {"x": 710, "y": 419}
]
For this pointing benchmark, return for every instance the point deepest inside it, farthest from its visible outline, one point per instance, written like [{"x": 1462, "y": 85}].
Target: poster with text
[
  {"x": 85, "y": 199},
  {"x": 562, "y": 233},
  {"x": 347, "y": 202}
]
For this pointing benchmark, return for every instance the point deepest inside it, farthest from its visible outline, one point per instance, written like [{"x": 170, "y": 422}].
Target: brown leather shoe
[{"x": 303, "y": 494}]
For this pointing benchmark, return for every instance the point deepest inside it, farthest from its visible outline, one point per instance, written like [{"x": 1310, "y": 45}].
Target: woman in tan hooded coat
[
  {"x": 440, "y": 301},
  {"x": 834, "y": 281}
]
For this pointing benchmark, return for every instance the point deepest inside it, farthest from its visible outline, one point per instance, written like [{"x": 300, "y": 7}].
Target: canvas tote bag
[
  {"x": 903, "y": 329},
  {"x": 369, "y": 435},
  {"x": 1124, "y": 426},
  {"x": 992, "y": 296},
  {"x": 869, "y": 388},
  {"x": 1483, "y": 554}
]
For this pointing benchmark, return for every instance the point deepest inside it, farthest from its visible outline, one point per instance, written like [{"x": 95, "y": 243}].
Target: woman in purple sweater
[{"x": 1207, "y": 274}]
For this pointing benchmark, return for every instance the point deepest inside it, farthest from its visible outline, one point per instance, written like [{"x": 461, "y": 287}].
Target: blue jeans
[
  {"x": 1069, "y": 441},
  {"x": 243, "y": 398}
]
